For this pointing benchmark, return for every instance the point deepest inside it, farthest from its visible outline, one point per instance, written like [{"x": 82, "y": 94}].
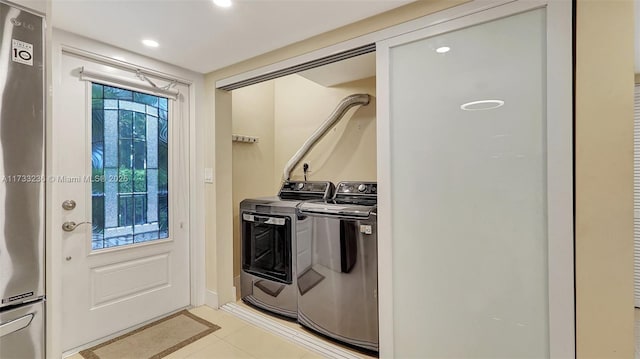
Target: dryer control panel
[{"x": 304, "y": 190}]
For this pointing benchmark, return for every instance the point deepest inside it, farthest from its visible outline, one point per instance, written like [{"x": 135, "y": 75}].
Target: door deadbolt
[{"x": 68, "y": 204}]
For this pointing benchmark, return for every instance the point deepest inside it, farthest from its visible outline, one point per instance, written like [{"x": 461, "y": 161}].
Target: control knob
[
  {"x": 362, "y": 188},
  {"x": 300, "y": 185}
]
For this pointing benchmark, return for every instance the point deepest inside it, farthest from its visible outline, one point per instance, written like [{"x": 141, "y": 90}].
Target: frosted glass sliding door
[{"x": 468, "y": 197}]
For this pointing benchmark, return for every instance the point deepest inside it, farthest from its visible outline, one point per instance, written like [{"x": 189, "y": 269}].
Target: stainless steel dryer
[
  {"x": 269, "y": 228},
  {"x": 338, "y": 280}
]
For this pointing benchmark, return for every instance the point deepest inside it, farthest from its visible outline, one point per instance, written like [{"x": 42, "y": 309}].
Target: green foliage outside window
[{"x": 130, "y": 170}]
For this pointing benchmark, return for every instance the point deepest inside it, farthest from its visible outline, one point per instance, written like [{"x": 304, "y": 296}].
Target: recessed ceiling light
[
  {"x": 481, "y": 105},
  {"x": 150, "y": 43},
  {"x": 222, "y": 3},
  {"x": 443, "y": 49}
]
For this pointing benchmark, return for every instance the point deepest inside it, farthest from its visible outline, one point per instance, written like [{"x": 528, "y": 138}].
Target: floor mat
[{"x": 154, "y": 340}]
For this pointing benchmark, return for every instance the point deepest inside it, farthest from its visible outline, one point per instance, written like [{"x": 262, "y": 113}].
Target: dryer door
[{"x": 267, "y": 246}]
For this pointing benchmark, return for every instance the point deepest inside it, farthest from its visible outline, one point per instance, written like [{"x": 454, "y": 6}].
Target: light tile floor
[
  {"x": 237, "y": 339},
  {"x": 295, "y": 325}
]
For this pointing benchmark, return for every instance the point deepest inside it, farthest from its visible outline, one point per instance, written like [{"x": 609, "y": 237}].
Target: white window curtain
[{"x": 132, "y": 83}]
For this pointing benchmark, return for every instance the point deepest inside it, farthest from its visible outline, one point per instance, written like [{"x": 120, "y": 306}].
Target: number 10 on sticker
[{"x": 22, "y": 52}]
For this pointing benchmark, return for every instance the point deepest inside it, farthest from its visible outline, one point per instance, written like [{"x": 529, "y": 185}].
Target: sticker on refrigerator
[{"x": 22, "y": 52}]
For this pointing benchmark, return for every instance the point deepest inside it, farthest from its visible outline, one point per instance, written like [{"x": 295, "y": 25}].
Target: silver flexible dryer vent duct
[{"x": 343, "y": 107}]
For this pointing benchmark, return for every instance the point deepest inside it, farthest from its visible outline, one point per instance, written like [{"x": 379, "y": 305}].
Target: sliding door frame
[{"x": 559, "y": 116}]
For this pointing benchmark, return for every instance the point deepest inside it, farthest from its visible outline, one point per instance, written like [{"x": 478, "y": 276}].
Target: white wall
[
  {"x": 604, "y": 178},
  {"x": 347, "y": 152},
  {"x": 636, "y": 33},
  {"x": 253, "y": 170}
]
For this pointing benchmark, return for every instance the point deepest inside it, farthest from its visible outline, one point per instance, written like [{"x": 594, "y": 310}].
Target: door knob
[
  {"x": 69, "y": 204},
  {"x": 71, "y": 225}
]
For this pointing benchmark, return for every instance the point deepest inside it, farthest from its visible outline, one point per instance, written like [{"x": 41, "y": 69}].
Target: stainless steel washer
[
  {"x": 338, "y": 279},
  {"x": 269, "y": 228}
]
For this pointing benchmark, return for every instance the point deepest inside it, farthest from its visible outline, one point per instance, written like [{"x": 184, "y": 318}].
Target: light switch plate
[{"x": 208, "y": 175}]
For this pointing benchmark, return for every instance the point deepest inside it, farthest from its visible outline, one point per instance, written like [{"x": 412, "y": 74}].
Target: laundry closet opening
[{"x": 271, "y": 121}]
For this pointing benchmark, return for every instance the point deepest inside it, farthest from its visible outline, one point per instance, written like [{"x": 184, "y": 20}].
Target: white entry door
[{"x": 119, "y": 153}]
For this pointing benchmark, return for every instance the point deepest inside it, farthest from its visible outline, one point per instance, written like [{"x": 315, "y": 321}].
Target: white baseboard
[
  {"x": 211, "y": 299},
  {"x": 236, "y": 289},
  {"x": 308, "y": 341}
]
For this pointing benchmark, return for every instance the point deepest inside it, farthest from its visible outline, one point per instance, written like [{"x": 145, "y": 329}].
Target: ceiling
[
  {"x": 200, "y": 36},
  {"x": 355, "y": 68}
]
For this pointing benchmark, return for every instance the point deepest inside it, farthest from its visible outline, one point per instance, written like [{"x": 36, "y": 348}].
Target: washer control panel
[
  {"x": 354, "y": 188},
  {"x": 358, "y": 193}
]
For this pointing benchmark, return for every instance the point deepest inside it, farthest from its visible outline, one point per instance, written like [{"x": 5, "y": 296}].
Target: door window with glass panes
[{"x": 130, "y": 161}]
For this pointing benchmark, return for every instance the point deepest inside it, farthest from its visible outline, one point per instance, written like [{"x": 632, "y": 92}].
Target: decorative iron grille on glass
[{"x": 130, "y": 157}]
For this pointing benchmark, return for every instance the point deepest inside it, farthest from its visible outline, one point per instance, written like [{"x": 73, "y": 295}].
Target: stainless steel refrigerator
[{"x": 22, "y": 183}]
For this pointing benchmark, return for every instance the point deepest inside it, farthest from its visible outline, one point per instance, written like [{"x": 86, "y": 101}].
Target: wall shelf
[{"x": 243, "y": 138}]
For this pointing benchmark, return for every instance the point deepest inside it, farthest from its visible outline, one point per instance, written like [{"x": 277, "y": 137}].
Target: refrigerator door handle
[{"x": 15, "y": 325}]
